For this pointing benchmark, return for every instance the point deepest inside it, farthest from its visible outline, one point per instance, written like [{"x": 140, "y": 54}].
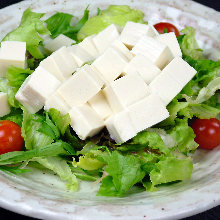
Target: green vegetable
[
  {"x": 62, "y": 169},
  {"x": 50, "y": 150},
  {"x": 188, "y": 43},
  {"x": 14, "y": 170},
  {"x": 28, "y": 31},
  {"x": 114, "y": 14},
  {"x": 171, "y": 169},
  {"x": 125, "y": 171},
  {"x": 4, "y": 87},
  {"x": 60, "y": 23},
  {"x": 16, "y": 76},
  {"x": 184, "y": 136},
  {"x": 16, "y": 115}
]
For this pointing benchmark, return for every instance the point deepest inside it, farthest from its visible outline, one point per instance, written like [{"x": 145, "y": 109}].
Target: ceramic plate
[{"x": 40, "y": 194}]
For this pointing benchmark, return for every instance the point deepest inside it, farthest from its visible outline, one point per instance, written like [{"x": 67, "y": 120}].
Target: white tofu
[
  {"x": 165, "y": 87},
  {"x": 125, "y": 91},
  {"x": 180, "y": 71},
  {"x": 171, "y": 41},
  {"x": 36, "y": 89},
  {"x": 12, "y": 53},
  {"x": 65, "y": 62},
  {"x": 105, "y": 38},
  {"x": 4, "y": 106},
  {"x": 58, "y": 42},
  {"x": 80, "y": 55},
  {"x": 88, "y": 45},
  {"x": 144, "y": 67},
  {"x": 110, "y": 65},
  {"x": 121, "y": 48},
  {"x": 100, "y": 105},
  {"x": 133, "y": 31},
  {"x": 85, "y": 121},
  {"x": 81, "y": 86},
  {"x": 147, "y": 112},
  {"x": 172, "y": 79},
  {"x": 51, "y": 66},
  {"x": 120, "y": 127},
  {"x": 157, "y": 52},
  {"x": 57, "y": 102}
]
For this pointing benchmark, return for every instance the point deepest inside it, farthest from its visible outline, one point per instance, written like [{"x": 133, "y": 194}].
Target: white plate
[{"x": 44, "y": 196}]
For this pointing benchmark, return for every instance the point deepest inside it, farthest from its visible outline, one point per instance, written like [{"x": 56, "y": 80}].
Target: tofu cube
[
  {"x": 65, "y": 62},
  {"x": 100, "y": 105},
  {"x": 121, "y": 48},
  {"x": 58, "y": 42},
  {"x": 85, "y": 121},
  {"x": 157, "y": 52},
  {"x": 120, "y": 127},
  {"x": 80, "y": 55},
  {"x": 12, "y": 53},
  {"x": 51, "y": 66},
  {"x": 110, "y": 65},
  {"x": 36, "y": 89},
  {"x": 4, "y": 106},
  {"x": 171, "y": 41},
  {"x": 165, "y": 87},
  {"x": 180, "y": 71},
  {"x": 125, "y": 91},
  {"x": 105, "y": 38},
  {"x": 88, "y": 45},
  {"x": 133, "y": 31},
  {"x": 147, "y": 112},
  {"x": 57, "y": 102},
  {"x": 144, "y": 67},
  {"x": 172, "y": 79},
  {"x": 81, "y": 86}
]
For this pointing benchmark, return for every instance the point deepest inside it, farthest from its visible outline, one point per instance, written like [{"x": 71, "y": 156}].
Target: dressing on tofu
[{"x": 134, "y": 74}]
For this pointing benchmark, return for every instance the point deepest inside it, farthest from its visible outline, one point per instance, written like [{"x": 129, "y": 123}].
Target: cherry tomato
[
  {"x": 207, "y": 132},
  {"x": 10, "y": 137},
  {"x": 164, "y": 27}
]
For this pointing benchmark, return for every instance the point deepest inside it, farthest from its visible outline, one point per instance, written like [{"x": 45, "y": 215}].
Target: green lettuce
[
  {"x": 62, "y": 169},
  {"x": 28, "y": 31},
  {"x": 125, "y": 171},
  {"x": 114, "y": 14},
  {"x": 60, "y": 23},
  {"x": 4, "y": 87},
  {"x": 171, "y": 169},
  {"x": 188, "y": 43},
  {"x": 16, "y": 76}
]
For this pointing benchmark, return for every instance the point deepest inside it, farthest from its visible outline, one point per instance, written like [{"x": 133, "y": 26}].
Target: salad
[{"x": 109, "y": 99}]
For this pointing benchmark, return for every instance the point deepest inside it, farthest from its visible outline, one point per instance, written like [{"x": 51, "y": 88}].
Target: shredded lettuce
[{"x": 28, "y": 31}]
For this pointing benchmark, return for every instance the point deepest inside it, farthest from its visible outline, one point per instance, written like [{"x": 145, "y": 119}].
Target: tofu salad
[{"x": 109, "y": 99}]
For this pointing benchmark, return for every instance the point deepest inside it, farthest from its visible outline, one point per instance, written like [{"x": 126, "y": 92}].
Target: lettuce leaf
[
  {"x": 188, "y": 43},
  {"x": 184, "y": 136},
  {"x": 16, "y": 115},
  {"x": 30, "y": 131},
  {"x": 50, "y": 150},
  {"x": 28, "y": 31},
  {"x": 62, "y": 169},
  {"x": 60, "y": 23},
  {"x": 4, "y": 87},
  {"x": 114, "y": 14},
  {"x": 16, "y": 76},
  {"x": 125, "y": 171},
  {"x": 171, "y": 169}
]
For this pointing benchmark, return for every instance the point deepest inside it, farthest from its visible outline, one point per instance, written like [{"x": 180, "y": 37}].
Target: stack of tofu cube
[{"x": 132, "y": 77}]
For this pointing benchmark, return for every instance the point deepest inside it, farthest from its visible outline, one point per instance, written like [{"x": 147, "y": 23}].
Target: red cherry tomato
[
  {"x": 207, "y": 132},
  {"x": 10, "y": 137},
  {"x": 164, "y": 27}
]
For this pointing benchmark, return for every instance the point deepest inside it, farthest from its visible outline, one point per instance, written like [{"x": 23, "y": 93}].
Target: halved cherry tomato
[
  {"x": 207, "y": 132},
  {"x": 164, "y": 27},
  {"x": 10, "y": 137}
]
